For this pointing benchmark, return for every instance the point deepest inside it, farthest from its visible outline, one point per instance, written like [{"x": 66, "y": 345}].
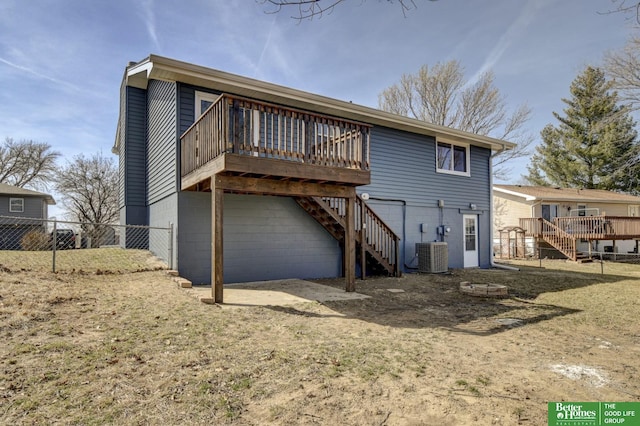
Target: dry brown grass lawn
[{"x": 133, "y": 348}]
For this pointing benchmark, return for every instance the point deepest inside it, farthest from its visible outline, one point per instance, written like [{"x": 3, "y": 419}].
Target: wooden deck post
[
  {"x": 217, "y": 203},
  {"x": 350, "y": 243},
  {"x": 363, "y": 240}
]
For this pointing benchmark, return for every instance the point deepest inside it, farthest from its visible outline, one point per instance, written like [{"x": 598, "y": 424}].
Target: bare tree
[
  {"x": 631, "y": 7},
  {"x": 27, "y": 163},
  {"x": 89, "y": 188},
  {"x": 441, "y": 95},
  {"x": 309, "y": 9},
  {"x": 623, "y": 67}
]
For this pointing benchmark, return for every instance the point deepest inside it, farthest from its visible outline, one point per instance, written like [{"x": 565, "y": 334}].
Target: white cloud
[
  {"x": 518, "y": 27},
  {"x": 148, "y": 17},
  {"x": 40, "y": 75}
]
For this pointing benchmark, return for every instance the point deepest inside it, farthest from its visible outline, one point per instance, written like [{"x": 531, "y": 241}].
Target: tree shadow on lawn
[{"x": 434, "y": 300}]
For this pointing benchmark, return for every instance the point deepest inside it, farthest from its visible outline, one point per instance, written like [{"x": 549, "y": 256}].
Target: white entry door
[{"x": 470, "y": 240}]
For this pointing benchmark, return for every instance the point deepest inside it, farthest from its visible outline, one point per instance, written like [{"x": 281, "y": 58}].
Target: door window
[
  {"x": 470, "y": 234},
  {"x": 549, "y": 212}
]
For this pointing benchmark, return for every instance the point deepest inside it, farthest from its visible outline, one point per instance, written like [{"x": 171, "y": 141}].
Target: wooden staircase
[
  {"x": 562, "y": 241},
  {"x": 378, "y": 245}
]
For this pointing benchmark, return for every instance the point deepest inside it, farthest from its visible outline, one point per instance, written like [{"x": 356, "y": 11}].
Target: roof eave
[
  {"x": 161, "y": 68},
  {"x": 516, "y": 194}
]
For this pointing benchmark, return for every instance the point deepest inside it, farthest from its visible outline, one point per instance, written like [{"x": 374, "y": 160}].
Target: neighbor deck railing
[
  {"x": 600, "y": 227},
  {"x": 248, "y": 127}
]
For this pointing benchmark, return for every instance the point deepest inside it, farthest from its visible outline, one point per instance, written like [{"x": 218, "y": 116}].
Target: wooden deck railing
[
  {"x": 247, "y": 127},
  {"x": 589, "y": 227},
  {"x": 531, "y": 225},
  {"x": 377, "y": 234},
  {"x": 600, "y": 227}
]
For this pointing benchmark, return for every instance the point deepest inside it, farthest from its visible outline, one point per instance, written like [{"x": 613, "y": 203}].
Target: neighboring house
[
  {"x": 288, "y": 176},
  {"x": 24, "y": 204},
  {"x": 575, "y": 220}
]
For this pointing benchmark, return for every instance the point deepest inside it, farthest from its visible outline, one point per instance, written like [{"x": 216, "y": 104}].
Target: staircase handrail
[
  {"x": 558, "y": 238},
  {"x": 378, "y": 236}
]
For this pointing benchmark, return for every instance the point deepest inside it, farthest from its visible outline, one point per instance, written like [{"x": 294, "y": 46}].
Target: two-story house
[
  {"x": 17, "y": 206},
  {"x": 266, "y": 182}
]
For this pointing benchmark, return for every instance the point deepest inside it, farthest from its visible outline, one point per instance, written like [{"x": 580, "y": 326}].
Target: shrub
[{"x": 35, "y": 240}]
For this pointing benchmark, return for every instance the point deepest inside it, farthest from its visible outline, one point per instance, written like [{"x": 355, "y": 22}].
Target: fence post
[
  {"x": 54, "y": 242},
  {"x": 170, "y": 247},
  {"x": 601, "y": 265},
  {"x": 540, "y": 255}
]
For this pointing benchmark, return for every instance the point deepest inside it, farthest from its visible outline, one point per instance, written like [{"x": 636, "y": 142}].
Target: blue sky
[{"x": 62, "y": 61}]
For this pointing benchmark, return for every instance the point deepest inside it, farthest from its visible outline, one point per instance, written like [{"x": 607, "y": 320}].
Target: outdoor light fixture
[{"x": 473, "y": 206}]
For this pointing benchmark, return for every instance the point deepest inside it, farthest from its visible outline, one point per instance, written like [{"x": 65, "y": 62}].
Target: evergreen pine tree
[{"x": 595, "y": 145}]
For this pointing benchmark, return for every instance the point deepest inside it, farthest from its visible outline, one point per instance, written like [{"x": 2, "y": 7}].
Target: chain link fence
[
  {"x": 543, "y": 256},
  {"x": 63, "y": 246}
]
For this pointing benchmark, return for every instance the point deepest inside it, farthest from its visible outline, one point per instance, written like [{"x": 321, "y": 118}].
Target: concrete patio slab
[{"x": 275, "y": 293}]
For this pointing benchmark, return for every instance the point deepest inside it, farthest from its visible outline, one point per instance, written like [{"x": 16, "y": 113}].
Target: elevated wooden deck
[
  {"x": 244, "y": 146},
  {"x": 242, "y": 137}
]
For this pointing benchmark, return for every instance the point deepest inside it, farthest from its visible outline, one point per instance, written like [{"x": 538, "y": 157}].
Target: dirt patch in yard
[{"x": 133, "y": 348}]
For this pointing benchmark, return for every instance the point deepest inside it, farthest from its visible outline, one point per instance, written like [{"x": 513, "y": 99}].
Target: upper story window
[
  {"x": 452, "y": 158},
  {"x": 204, "y": 101},
  {"x": 16, "y": 205}
]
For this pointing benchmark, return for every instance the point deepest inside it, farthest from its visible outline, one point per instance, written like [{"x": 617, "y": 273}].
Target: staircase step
[{"x": 331, "y": 217}]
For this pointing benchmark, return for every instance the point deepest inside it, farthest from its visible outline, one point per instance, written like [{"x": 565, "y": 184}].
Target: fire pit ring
[{"x": 484, "y": 290}]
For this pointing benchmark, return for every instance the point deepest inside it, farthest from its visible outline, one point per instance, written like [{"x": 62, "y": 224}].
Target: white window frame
[
  {"x": 13, "y": 209},
  {"x": 553, "y": 210},
  {"x": 467, "y": 154},
  {"x": 203, "y": 96}
]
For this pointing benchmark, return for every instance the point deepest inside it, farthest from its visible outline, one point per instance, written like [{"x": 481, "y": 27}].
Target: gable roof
[
  {"x": 160, "y": 68},
  {"x": 22, "y": 192},
  {"x": 539, "y": 193}
]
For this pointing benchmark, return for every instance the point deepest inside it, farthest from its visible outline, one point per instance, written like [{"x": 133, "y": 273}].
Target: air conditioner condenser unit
[{"x": 433, "y": 257}]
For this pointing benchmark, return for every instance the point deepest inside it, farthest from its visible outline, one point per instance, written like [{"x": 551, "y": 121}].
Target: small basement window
[
  {"x": 16, "y": 205},
  {"x": 452, "y": 158}
]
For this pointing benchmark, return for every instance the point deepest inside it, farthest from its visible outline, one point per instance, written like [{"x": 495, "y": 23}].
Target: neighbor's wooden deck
[{"x": 587, "y": 227}]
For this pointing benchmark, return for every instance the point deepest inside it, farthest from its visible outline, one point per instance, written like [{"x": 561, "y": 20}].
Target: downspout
[
  {"x": 491, "y": 206},
  {"x": 404, "y": 226}
]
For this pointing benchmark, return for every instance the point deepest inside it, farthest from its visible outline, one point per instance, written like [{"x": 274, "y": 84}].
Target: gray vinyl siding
[
  {"x": 33, "y": 207},
  {"x": 120, "y": 138},
  {"x": 187, "y": 105},
  {"x": 264, "y": 238},
  {"x": 405, "y": 189},
  {"x": 162, "y": 138},
  {"x": 187, "y": 102},
  {"x": 403, "y": 165},
  {"x": 133, "y": 157}
]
